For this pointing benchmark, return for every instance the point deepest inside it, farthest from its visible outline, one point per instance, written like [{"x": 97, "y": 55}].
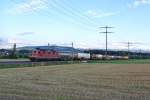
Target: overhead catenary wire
[
  {"x": 58, "y": 11},
  {"x": 59, "y": 8},
  {"x": 71, "y": 15},
  {"x": 69, "y": 7},
  {"x": 54, "y": 9}
]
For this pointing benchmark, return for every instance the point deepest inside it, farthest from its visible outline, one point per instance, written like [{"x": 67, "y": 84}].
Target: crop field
[{"x": 93, "y": 81}]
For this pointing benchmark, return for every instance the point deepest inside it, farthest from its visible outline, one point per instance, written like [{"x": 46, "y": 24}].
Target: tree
[{"x": 13, "y": 55}]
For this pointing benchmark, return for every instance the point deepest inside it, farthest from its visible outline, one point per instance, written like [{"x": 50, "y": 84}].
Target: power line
[
  {"x": 57, "y": 10},
  {"x": 106, "y": 33},
  {"x": 75, "y": 11},
  {"x": 71, "y": 14}
]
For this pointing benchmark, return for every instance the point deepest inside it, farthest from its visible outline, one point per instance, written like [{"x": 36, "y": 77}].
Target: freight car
[
  {"x": 82, "y": 56},
  {"x": 97, "y": 57}
]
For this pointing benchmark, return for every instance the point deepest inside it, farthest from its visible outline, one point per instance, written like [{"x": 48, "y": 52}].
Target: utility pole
[
  {"x": 72, "y": 45},
  {"x": 129, "y": 44},
  {"x": 106, "y": 33},
  {"x": 48, "y": 46}
]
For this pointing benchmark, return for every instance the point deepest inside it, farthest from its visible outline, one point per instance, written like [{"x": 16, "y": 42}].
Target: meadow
[
  {"x": 27, "y": 63},
  {"x": 87, "y": 81}
]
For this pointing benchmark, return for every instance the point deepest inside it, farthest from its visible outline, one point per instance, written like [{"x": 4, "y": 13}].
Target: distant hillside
[{"x": 56, "y": 48}]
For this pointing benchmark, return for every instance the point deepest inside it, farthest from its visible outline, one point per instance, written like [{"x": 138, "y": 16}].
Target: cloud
[
  {"x": 8, "y": 42},
  {"x": 28, "y": 7},
  {"x": 26, "y": 33},
  {"x": 137, "y": 3},
  {"x": 100, "y": 14},
  {"x": 2, "y": 41}
]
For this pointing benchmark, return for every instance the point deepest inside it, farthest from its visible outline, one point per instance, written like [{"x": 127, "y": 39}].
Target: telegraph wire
[
  {"x": 70, "y": 15},
  {"x": 59, "y": 11},
  {"x": 76, "y": 12}
]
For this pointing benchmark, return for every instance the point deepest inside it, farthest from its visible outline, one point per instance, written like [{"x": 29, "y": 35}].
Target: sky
[{"x": 60, "y": 22}]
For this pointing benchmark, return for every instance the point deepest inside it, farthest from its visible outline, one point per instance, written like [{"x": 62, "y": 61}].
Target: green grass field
[
  {"x": 131, "y": 61},
  {"x": 92, "y": 81}
]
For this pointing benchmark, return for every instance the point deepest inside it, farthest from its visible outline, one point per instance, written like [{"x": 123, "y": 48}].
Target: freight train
[{"x": 52, "y": 55}]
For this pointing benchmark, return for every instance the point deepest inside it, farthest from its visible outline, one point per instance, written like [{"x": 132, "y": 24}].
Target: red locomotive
[{"x": 44, "y": 55}]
